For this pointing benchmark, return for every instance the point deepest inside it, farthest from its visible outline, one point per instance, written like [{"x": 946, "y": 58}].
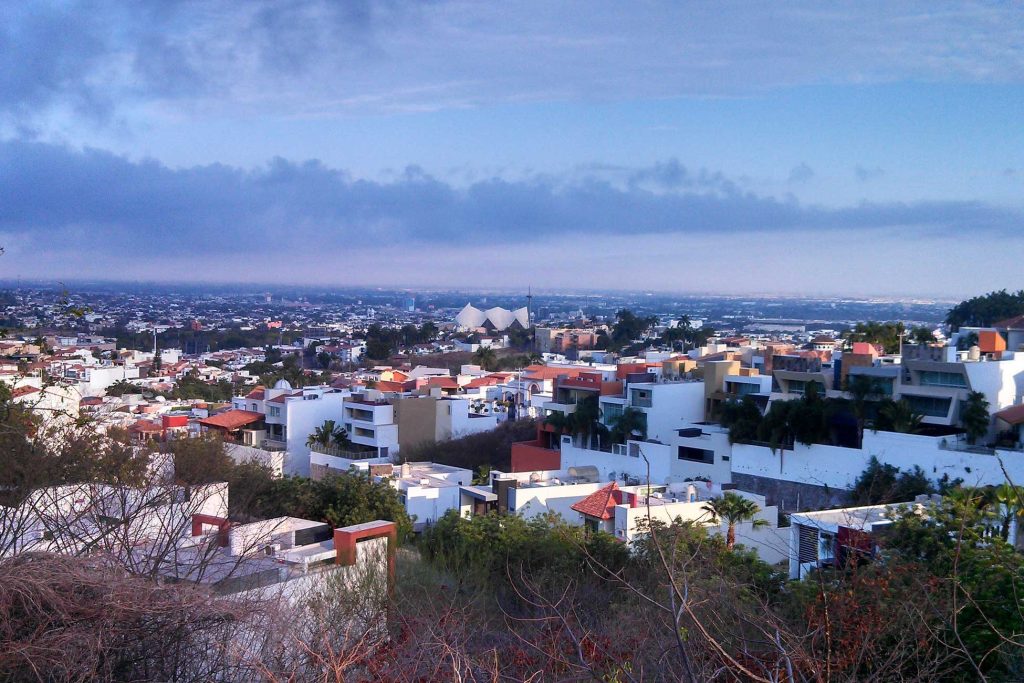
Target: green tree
[
  {"x": 922, "y": 335},
  {"x": 733, "y": 509},
  {"x": 954, "y": 543},
  {"x": 982, "y": 311},
  {"x": 329, "y": 434},
  {"x": 974, "y": 416},
  {"x": 742, "y": 418},
  {"x": 880, "y": 483},
  {"x": 122, "y": 387},
  {"x": 486, "y": 358},
  {"x": 888, "y": 334},
  {"x": 629, "y": 424},
  {"x": 629, "y": 327},
  {"x": 897, "y": 416}
]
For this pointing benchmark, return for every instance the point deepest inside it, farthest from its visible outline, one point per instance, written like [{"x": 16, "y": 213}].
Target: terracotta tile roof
[
  {"x": 1013, "y": 415},
  {"x": 145, "y": 426},
  {"x": 257, "y": 394},
  {"x": 545, "y": 372},
  {"x": 23, "y": 391},
  {"x": 601, "y": 503},
  {"x": 384, "y": 385},
  {"x": 231, "y": 419},
  {"x": 91, "y": 401},
  {"x": 1016, "y": 322},
  {"x": 442, "y": 382},
  {"x": 478, "y": 382}
]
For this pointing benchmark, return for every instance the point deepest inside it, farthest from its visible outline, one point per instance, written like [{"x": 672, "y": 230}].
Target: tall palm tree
[{"x": 733, "y": 509}]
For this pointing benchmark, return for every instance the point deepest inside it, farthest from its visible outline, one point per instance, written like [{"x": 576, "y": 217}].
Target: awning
[{"x": 479, "y": 493}]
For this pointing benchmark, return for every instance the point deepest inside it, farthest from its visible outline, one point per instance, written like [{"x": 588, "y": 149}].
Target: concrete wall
[
  {"x": 838, "y": 468},
  {"x": 540, "y": 500},
  {"x": 659, "y": 455},
  {"x": 303, "y": 419}
]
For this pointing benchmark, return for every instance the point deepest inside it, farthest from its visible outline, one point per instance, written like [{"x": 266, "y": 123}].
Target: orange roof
[
  {"x": 145, "y": 426},
  {"x": 545, "y": 372},
  {"x": 231, "y": 420},
  {"x": 1014, "y": 415},
  {"x": 477, "y": 382},
  {"x": 601, "y": 503},
  {"x": 384, "y": 385},
  {"x": 23, "y": 391},
  {"x": 442, "y": 382},
  {"x": 257, "y": 393}
]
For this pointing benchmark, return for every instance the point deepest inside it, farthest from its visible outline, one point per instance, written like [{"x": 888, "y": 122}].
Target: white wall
[
  {"x": 430, "y": 503},
  {"x": 659, "y": 455},
  {"x": 303, "y": 417},
  {"x": 540, "y": 500},
  {"x": 839, "y": 467}
]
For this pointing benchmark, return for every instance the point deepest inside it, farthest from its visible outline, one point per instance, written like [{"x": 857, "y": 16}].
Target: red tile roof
[
  {"x": 478, "y": 382},
  {"x": 1016, "y": 322},
  {"x": 601, "y": 503},
  {"x": 442, "y": 382},
  {"x": 1014, "y": 415},
  {"x": 23, "y": 391},
  {"x": 257, "y": 394},
  {"x": 145, "y": 426},
  {"x": 231, "y": 419}
]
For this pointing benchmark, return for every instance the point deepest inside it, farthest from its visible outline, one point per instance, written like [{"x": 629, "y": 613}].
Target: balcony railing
[
  {"x": 346, "y": 453},
  {"x": 273, "y": 445}
]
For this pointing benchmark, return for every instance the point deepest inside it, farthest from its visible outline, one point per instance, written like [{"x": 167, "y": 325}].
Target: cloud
[
  {"x": 92, "y": 204},
  {"x": 801, "y": 173},
  {"x": 315, "y": 57},
  {"x": 865, "y": 174}
]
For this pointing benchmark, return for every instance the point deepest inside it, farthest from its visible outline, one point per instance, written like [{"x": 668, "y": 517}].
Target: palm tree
[
  {"x": 485, "y": 358},
  {"x": 974, "y": 416},
  {"x": 630, "y": 423},
  {"x": 1008, "y": 499},
  {"x": 862, "y": 390},
  {"x": 733, "y": 509},
  {"x": 899, "y": 416},
  {"x": 326, "y": 434}
]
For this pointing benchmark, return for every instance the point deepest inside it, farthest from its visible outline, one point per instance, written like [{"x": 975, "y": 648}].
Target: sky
[{"x": 861, "y": 148}]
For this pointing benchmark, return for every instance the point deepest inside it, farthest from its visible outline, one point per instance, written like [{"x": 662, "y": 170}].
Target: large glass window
[
  {"x": 929, "y": 406},
  {"x": 930, "y": 378}
]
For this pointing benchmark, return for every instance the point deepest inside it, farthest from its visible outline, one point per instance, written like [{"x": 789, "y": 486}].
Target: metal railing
[{"x": 346, "y": 453}]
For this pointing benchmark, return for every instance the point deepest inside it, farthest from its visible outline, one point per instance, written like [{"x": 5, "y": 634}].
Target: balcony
[
  {"x": 273, "y": 445},
  {"x": 346, "y": 453},
  {"x": 555, "y": 406}
]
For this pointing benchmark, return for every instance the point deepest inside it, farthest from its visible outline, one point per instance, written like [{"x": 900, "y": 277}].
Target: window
[
  {"x": 640, "y": 398},
  {"x": 929, "y": 406},
  {"x": 254, "y": 407},
  {"x": 275, "y": 411},
  {"x": 702, "y": 455},
  {"x": 826, "y": 547},
  {"x": 943, "y": 379},
  {"x": 799, "y": 386}
]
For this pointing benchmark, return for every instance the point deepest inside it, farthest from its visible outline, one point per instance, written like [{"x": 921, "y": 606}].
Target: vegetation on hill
[
  {"x": 492, "y": 448},
  {"x": 981, "y": 311}
]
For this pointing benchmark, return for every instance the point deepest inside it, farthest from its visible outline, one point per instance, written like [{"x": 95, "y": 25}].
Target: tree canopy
[{"x": 982, "y": 311}]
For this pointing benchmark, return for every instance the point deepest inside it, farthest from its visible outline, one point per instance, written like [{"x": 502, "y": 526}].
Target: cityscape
[{"x": 533, "y": 342}]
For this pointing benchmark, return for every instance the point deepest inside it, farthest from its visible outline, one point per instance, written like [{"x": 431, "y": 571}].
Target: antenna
[{"x": 529, "y": 317}]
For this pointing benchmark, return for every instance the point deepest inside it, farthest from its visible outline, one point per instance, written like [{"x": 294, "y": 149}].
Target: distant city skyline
[{"x": 847, "y": 149}]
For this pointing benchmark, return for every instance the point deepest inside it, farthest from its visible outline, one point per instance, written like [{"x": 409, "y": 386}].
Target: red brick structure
[{"x": 345, "y": 543}]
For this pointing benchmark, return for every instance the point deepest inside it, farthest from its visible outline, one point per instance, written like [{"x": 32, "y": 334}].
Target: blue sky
[{"x": 861, "y": 148}]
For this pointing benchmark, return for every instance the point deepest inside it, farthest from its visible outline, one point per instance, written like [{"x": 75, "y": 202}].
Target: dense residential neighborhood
[{"x": 802, "y": 449}]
